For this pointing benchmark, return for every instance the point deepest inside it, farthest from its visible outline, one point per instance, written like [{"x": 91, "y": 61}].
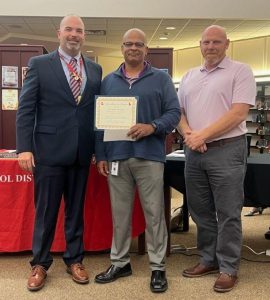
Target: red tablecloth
[{"x": 17, "y": 212}]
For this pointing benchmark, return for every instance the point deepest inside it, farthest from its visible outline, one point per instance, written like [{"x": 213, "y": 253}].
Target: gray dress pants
[
  {"x": 148, "y": 177},
  {"x": 215, "y": 193}
]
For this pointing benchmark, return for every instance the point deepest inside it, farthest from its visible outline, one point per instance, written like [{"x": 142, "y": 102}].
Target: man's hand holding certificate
[
  {"x": 117, "y": 117},
  {"x": 140, "y": 130}
]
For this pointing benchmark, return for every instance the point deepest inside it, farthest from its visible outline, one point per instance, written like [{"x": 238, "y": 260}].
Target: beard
[
  {"x": 213, "y": 59},
  {"x": 73, "y": 45}
]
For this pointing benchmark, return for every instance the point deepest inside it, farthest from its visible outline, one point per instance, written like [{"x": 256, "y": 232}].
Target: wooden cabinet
[
  {"x": 162, "y": 58},
  {"x": 11, "y": 83}
]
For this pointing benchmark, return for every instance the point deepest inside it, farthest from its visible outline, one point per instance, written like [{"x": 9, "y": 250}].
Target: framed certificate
[
  {"x": 9, "y": 99},
  {"x": 10, "y": 76},
  {"x": 115, "y": 113}
]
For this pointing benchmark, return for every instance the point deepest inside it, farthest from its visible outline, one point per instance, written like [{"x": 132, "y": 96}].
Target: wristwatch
[{"x": 154, "y": 126}]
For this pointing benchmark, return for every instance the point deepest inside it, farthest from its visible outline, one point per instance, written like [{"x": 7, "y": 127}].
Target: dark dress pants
[{"x": 51, "y": 183}]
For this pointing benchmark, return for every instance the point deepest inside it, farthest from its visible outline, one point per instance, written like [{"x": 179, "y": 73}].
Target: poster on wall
[
  {"x": 24, "y": 71},
  {"x": 9, "y": 99},
  {"x": 9, "y": 76}
]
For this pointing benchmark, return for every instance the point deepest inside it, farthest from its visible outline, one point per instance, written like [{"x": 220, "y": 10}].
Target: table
[
  {"x": 257, "y": 180},
  {"x": 17, "y": 212},
  {"x": 174, "y": 177}
]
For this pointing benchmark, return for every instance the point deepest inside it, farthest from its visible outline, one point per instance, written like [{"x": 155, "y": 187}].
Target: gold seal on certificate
[{"x": 115, "y": 112}]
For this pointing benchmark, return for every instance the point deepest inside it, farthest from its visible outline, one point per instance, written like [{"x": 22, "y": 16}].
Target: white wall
[{"x": 246, "y": 9}]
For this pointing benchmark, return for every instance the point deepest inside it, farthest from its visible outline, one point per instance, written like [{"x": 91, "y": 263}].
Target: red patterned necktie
[{"x": 75, "y": 81}]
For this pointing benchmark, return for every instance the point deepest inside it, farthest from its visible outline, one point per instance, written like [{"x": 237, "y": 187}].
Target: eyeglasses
[{"x": 136, "y": 44}]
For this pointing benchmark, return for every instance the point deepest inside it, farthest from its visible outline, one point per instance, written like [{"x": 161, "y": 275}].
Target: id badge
[{"x": 115, "y": 167}]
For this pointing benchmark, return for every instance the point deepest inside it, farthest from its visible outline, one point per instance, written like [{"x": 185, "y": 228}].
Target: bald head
[
  {"x": 135, "y": 32},
  {"x": 134, "y": 48},
  {"x": 68, "y": 17},
  {"x": 215, "y": 29}
]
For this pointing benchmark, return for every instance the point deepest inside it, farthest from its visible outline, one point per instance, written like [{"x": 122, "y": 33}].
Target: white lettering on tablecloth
[
  {"x": 5, "y": 178},
  {"x": 24, "y": 178}
]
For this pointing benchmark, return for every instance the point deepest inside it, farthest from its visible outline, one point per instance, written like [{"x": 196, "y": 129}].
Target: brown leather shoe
[
  {"x": 36, "y": 279},
  {"x": 199, "y": 270},
  {"x": 78, "y": 273},
  {"x": 225, "y": 283}
]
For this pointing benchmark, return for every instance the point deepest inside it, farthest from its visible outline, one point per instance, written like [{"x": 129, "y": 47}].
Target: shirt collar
[
  {"x": 123, "y": 69},
  {"x": 68, "y": 57}
]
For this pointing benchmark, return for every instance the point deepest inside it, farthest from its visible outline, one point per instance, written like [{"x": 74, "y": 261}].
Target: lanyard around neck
[{"x": 72, "y": 71}]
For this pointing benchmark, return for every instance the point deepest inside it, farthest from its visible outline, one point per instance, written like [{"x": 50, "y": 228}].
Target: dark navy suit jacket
[{"x": 49, "y": 122}]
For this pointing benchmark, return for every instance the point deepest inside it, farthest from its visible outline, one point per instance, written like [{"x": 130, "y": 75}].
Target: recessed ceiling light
[
  {"x": 163, "y": 38},
  {"x": 170, "y": 28}
]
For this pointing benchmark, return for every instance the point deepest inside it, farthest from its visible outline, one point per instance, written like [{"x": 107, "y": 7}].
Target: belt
[{"x": 222, "y": 142}]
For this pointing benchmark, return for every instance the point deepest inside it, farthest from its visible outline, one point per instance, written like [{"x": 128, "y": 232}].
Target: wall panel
[
  {"x": 251, "y": 52},
  {"x": 109, "y": 64},
  {"x": 185, "y": 60}
]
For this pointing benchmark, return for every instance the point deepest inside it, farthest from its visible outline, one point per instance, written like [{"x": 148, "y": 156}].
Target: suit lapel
[
  {"x": 87, "y": 67},
  {"x": 60, "y": 74}
]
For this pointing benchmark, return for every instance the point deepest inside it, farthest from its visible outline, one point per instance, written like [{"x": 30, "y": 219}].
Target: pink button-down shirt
[{"x": 208, "y": 95}]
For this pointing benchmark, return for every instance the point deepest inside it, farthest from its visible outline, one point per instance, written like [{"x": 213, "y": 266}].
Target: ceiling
[{"x": 187, "y": 32}]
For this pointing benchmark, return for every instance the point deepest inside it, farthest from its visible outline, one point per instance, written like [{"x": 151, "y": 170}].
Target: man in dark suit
[{"x": 55, "y": 141}]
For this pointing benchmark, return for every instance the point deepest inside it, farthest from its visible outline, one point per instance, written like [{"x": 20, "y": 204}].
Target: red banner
[{"x": 17, "y": 212}]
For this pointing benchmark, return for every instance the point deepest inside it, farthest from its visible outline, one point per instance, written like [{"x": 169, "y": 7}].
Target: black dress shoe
[
  {"x": 113, "y": 273},
  {"x": 159, "y": 282}
]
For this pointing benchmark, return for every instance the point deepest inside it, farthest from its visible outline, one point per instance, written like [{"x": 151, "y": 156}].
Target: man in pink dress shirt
[{"x": 215, "y": 100}]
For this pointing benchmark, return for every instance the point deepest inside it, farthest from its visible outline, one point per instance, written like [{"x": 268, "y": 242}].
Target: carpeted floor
[{"x": 254, "y": 277}]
